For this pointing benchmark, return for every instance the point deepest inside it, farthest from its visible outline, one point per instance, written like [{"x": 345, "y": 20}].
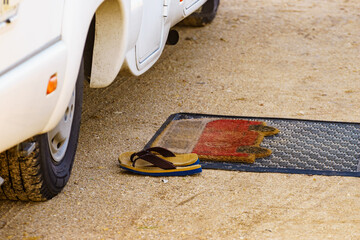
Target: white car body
[{"x": 40, "y": 38}]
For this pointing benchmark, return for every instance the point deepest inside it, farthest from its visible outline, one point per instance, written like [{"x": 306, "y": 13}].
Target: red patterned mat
[{"x": 217, "y": 139}]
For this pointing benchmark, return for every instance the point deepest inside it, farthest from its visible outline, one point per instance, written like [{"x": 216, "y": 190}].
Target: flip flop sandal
[
  {"x": 179, "y": 160},
  {"x": 153, "y": 165}
]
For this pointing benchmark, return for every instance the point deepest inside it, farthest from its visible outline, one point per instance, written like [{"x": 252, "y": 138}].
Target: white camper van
[{"x": 46, "y": 49}]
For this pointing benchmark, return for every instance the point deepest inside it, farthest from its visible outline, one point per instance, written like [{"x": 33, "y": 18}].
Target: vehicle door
[{"x": 151, "y": 32}]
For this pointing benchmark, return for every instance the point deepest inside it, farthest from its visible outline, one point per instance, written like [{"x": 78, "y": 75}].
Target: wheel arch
[
  {"x": 111, "y": 39},
  {"x": 106, "y": 61}
]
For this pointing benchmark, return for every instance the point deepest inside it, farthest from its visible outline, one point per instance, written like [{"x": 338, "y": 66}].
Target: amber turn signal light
[{"x": 52, "y": 84}]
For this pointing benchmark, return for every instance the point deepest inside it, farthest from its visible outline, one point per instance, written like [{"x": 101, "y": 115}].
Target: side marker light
[{"x": 52, "y": 84}]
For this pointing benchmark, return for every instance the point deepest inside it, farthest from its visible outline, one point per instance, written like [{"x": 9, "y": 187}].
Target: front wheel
[{"x": 39, "y": 168}]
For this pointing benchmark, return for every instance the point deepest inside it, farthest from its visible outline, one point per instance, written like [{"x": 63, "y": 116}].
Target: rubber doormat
[{"x": 301, "y": 146}]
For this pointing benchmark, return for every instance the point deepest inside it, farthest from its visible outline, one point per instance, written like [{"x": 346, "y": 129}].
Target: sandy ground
[{"x": 291, "y": 59}]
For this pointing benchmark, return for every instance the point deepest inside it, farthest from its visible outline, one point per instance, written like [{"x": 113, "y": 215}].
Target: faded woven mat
[
  {"x": 271, "y": 145},
  {"x": 213, "y": 139}
]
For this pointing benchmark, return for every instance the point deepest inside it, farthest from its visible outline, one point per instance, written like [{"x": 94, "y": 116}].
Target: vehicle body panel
[
  {"x": 25, "y": 107},
  {"x": 129, "y": 34},
  {"x": 29, "y": 33}
]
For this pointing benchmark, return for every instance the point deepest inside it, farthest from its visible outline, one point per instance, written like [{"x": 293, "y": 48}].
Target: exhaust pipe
[{"x": 173, "y": 37}]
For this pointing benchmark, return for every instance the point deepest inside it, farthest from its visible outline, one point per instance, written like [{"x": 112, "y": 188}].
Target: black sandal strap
[
  {"x": 155, "y": 160},
  {"x": 162, "y": 151},
  {"x": 137, "y": 154}
]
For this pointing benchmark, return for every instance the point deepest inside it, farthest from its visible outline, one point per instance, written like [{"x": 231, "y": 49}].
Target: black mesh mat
[{"x": 302, "y": 146}]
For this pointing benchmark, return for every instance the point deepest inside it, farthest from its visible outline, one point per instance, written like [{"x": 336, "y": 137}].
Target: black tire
[
  {"x": 203, "y": 15},
  {"x": 31, "y": 171}
]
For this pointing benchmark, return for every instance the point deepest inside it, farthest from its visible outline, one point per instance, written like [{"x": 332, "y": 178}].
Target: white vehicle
[{"x": 46, "y": 49}]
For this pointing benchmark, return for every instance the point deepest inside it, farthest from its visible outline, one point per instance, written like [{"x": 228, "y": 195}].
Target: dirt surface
[{"x": 291, "y": 59}]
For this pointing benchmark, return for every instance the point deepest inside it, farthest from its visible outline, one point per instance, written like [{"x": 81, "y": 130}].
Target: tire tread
[{"x": 23, "y": 180}]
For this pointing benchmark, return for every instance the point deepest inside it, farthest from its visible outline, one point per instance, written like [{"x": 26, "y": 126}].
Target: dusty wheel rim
[{"x": 58, "y": 138}]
